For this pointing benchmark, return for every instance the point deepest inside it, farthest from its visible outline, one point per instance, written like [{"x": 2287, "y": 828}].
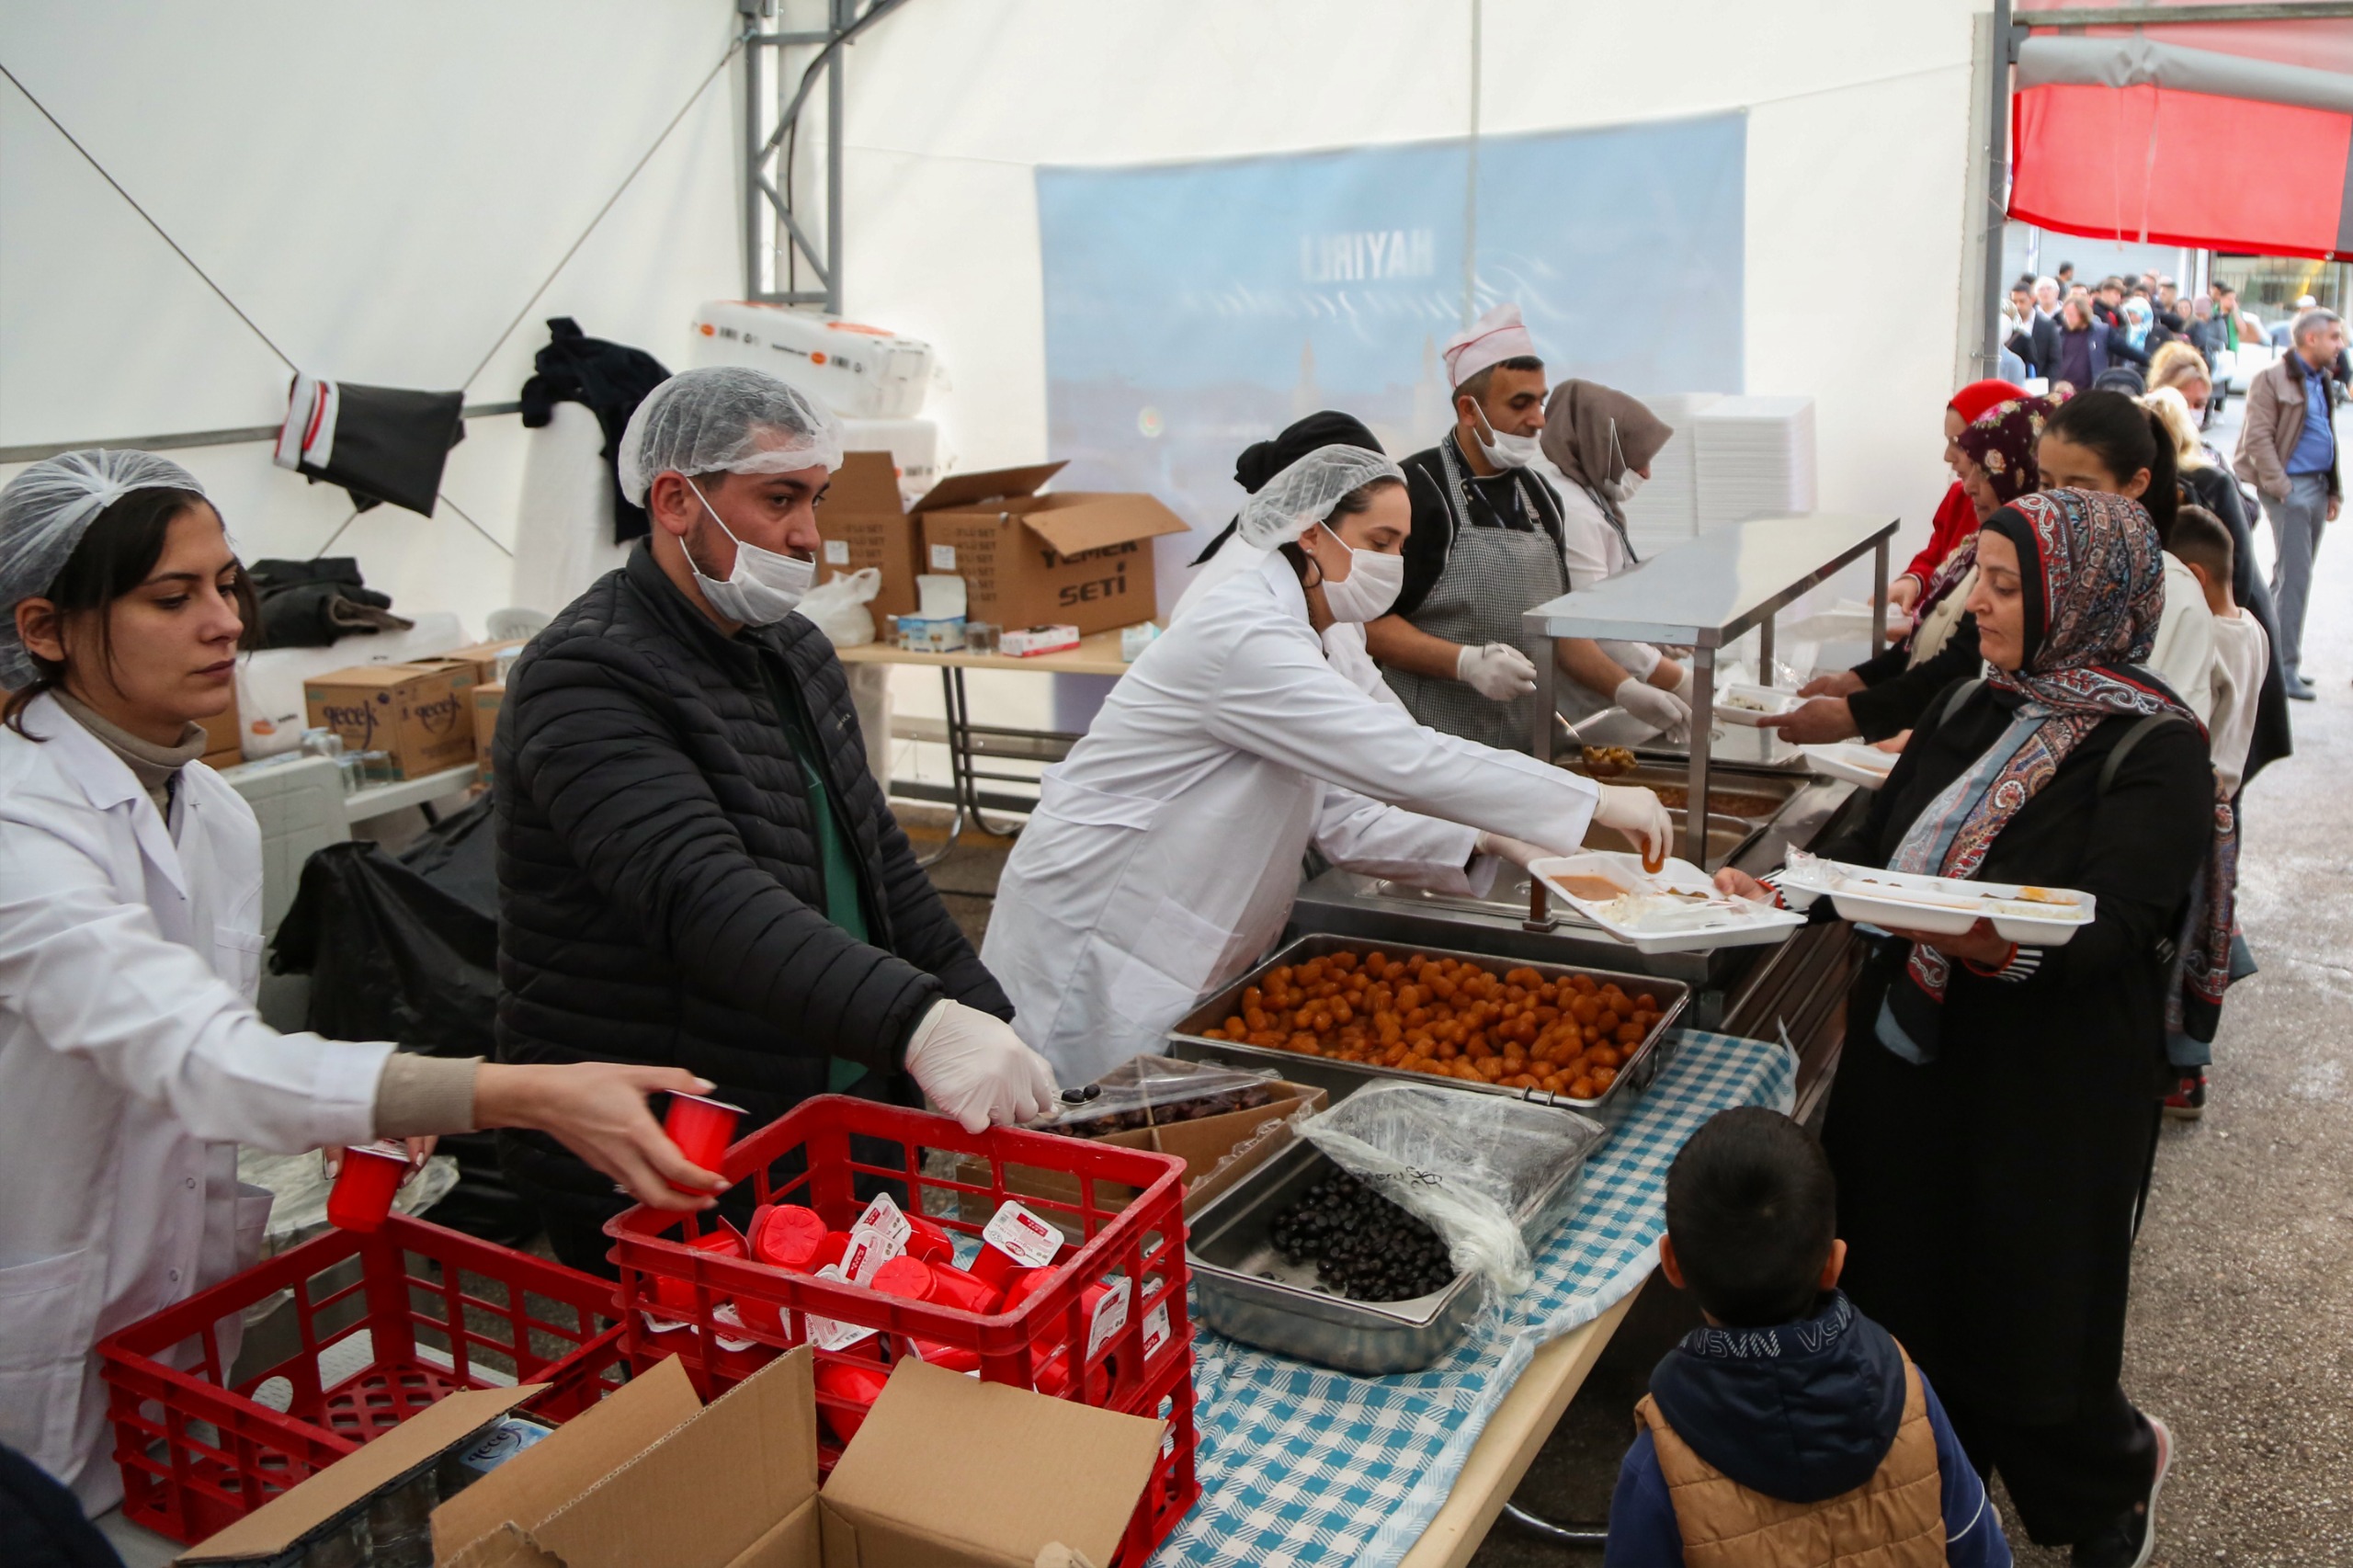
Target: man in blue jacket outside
[{"x": 1790, "y": 1429}]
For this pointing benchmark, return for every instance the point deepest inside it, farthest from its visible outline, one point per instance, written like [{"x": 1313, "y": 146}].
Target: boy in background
[
  {"x": 1790, "y": 1429},
  {"x": 2202, "y": 542}
]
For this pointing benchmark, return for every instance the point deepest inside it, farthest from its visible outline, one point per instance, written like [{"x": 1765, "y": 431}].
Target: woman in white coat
[
  {"x": 1164, "y": 853},
  {"x": 132, "y": 1061}
]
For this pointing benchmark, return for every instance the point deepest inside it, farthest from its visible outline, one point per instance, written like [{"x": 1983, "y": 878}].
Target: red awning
[{"x": 2227, "y": 135}]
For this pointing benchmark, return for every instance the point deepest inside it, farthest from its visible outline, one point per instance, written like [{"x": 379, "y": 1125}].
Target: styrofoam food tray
[
  {"x": 1944, "y": 906},
  {"x": 1851, "y": 761},
  {"x": 1773, "y": 700},
  {"x": 1745, "y": 924}
]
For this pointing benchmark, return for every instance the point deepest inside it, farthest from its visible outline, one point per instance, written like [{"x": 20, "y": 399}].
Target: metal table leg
[
  {"x": 1879, "y": 597},
  {"x": 959, "y": 729},
  {"x": 1764, "y": 652},
  {"x": 1564, "y": 1535},
  {"x": 1703, "y": 715},
  {"x": 960, "y": 740}
]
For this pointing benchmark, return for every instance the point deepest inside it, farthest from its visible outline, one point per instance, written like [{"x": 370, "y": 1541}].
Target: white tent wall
[{"x": 382, "y": 187}]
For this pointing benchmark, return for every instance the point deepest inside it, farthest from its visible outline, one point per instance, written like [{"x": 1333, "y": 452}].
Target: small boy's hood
[{"x": 1802, "y": 1411}]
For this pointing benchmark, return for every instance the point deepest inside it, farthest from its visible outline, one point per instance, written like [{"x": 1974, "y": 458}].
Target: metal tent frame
[{"x": 776, "y": 240}]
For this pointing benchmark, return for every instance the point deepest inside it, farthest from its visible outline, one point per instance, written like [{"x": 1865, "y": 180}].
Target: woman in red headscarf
[{"x": 1955, "y": 520}]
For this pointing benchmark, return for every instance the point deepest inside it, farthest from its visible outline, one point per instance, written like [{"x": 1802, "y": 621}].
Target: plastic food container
[
  {"x": 362, "y": 1195},
  {"x": 701, "y": 1128}
]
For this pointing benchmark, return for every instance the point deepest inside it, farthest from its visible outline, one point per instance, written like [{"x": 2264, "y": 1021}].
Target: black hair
[
  {"x": 117, "y": 553},
  {"x": 1355, "y": 503},
  {"x": 1476, "y": 387},
  {"x": 1752, "y": 1207},
  {"x": 2126, "y": 438},
  {"x": 2202, "y": 539}
]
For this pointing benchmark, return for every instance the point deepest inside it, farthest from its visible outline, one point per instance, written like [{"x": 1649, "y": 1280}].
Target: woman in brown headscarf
[{"x": 1603, "y": 441}]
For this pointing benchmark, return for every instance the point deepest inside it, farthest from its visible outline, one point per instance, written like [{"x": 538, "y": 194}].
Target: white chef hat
[
  {"x": 1494, "y": 337},
  {"x": 1304, "y": 493},
  {"x": 724, "y": 418}
]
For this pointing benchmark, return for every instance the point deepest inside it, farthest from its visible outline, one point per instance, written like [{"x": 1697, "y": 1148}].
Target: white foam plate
[
  {"x": 1765, "y": 702},
  {"x": 1735, "y": 923},
  {"x": 1944, "y": 906},
  {"x": 1852, "y": 761}
]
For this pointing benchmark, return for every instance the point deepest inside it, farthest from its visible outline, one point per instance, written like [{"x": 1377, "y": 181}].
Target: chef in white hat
[{"x": 1487, "y": 545}]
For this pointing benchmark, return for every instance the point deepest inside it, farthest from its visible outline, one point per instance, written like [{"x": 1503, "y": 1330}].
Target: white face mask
[
  {"x": 1506, "y": 452},
  {"x": 764, "y": 588},
  {"x": 1620, "y": 489},
  {"x": 1370, "y": 586}
]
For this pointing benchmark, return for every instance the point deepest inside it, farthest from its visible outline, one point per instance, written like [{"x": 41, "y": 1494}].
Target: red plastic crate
[
  {"x": 1129, "y": 1210},
  {"x": 197, "y": 1454}
]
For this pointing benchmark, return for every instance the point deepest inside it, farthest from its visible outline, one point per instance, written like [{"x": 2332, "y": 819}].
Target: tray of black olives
[{"x": 1301, "y": 1258}]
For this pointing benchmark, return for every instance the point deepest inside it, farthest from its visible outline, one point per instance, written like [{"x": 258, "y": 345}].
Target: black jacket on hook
[{"x": 610, "y": 380}]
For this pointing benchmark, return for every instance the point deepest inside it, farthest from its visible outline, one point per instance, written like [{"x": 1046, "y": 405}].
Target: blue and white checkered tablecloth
[{"x": 1302, "y": 1465}]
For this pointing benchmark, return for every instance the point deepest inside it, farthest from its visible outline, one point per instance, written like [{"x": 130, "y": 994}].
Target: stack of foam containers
[
  {"x": 1756, "y": 458},
  {"x": 1666, "y": 508}
]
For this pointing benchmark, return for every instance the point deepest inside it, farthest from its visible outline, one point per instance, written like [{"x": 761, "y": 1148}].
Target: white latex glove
[
  {"x": 1496, "y": 671},
  {"x": 974, "y": 1067},
  {"x": 1682, "y": 687},
  {"x": 1636, "y": 812},
  {"x": 1518, "y": 851},
  {"x": 1659, "y": 710}
]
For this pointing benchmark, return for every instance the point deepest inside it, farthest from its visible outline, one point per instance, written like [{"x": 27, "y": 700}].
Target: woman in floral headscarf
[
  {"x": 1882, "y": 697},
  {"x": 1996, "y": 1105}
]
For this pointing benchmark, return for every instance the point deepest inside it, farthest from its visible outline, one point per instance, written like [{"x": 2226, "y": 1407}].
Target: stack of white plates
[
  {"x": 1755, "y": 459},
  {"x": 1667, "y": 505}
]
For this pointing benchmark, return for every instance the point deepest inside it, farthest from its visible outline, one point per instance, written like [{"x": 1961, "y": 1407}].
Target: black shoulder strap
[{"x": 2132, "y": 737}]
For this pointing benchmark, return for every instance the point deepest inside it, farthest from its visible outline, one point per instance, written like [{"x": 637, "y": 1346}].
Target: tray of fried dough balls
[{"x": 1336, "y": 1011}]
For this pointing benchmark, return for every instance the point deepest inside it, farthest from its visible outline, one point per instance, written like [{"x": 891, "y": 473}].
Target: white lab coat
[
  {"x": 1164, "y": 856},
  {"x": 1344, "y": 642},
  {"x": 132, "y": 1064}
]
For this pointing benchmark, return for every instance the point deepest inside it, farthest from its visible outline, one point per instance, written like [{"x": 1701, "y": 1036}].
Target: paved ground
[{"x": 2242, "y": 1327}]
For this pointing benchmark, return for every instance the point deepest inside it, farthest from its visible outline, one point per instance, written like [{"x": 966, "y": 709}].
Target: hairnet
[
  {"x": 1304, "y": 493},
  {"x": 44, "y": 512},
  {"x": 724, "y": 418}
]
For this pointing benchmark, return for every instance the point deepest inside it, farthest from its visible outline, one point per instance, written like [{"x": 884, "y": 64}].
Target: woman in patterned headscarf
[
  {"x": 1996, "y": 1105},
  {"x": 1993, "y": 455}
]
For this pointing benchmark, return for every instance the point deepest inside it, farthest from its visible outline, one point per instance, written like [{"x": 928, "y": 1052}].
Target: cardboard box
[
  {"x": 484, "y": 657},
  {"x": 1201, "y": 1143},
  {"x": 420, "y": 713},
  {"x": 487, "y": 699},
  {"x": 1077, "y": 557},
  {"x": 865, "y": 524},
  {"x": 946, "y": 1470}
]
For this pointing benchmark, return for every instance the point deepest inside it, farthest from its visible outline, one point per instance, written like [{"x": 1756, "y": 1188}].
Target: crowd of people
[{"x": 702, "y": 889}]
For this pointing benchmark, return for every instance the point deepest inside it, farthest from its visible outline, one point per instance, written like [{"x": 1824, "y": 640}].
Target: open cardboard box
[
  {"x": 1201, "y": 1143},
  {"x": 946, "y": 1470},
  {"x": 865, "y": 524},
  {"x": 1080, "y": 558}
]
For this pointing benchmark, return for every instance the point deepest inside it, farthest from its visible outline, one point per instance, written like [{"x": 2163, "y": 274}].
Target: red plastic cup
[
  {"x": 701, "y": 1128},
  {"x": 952, "y": 1287},
  {"x": 908, "y": 1278},
  {"x": 1050, "y": 1375},
  {"x": 859, "y": 1385},
  {"x": 787, "y": 1235},
  {"x": 929, "y": 1240},
  {"x": 364, "y": 1188},
  {"x": 949, "y": 1358},
  {"x": 678, "y": 1295}
]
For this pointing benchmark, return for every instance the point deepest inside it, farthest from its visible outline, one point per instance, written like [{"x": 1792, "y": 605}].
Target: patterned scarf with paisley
[{"x": 2102, "y": 579}]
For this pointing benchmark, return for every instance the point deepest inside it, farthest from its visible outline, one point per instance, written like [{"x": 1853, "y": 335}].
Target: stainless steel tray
[
  {"x": 1722, "y": 781},
  {"x": 1339, "y": 1079},
  {"x": 1242, "y": 1288}
]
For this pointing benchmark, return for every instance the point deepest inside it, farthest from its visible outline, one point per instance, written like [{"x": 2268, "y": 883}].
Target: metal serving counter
[{"x": 1703, "y": 594}]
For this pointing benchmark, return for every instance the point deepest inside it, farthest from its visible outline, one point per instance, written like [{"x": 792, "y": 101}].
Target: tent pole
[{"x": 2003, "y": 50}]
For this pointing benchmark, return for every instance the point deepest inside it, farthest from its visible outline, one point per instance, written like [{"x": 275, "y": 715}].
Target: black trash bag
[{"x": 406, "y": 948}]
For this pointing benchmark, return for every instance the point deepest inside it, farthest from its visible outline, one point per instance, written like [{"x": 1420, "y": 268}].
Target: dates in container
[
  {"x": 1449, "y": 1018},
  {"x": 1363, "y": 1246}
]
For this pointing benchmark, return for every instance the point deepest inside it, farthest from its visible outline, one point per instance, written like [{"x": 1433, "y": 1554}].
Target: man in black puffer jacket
[{"x": 695, "y": 866}]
